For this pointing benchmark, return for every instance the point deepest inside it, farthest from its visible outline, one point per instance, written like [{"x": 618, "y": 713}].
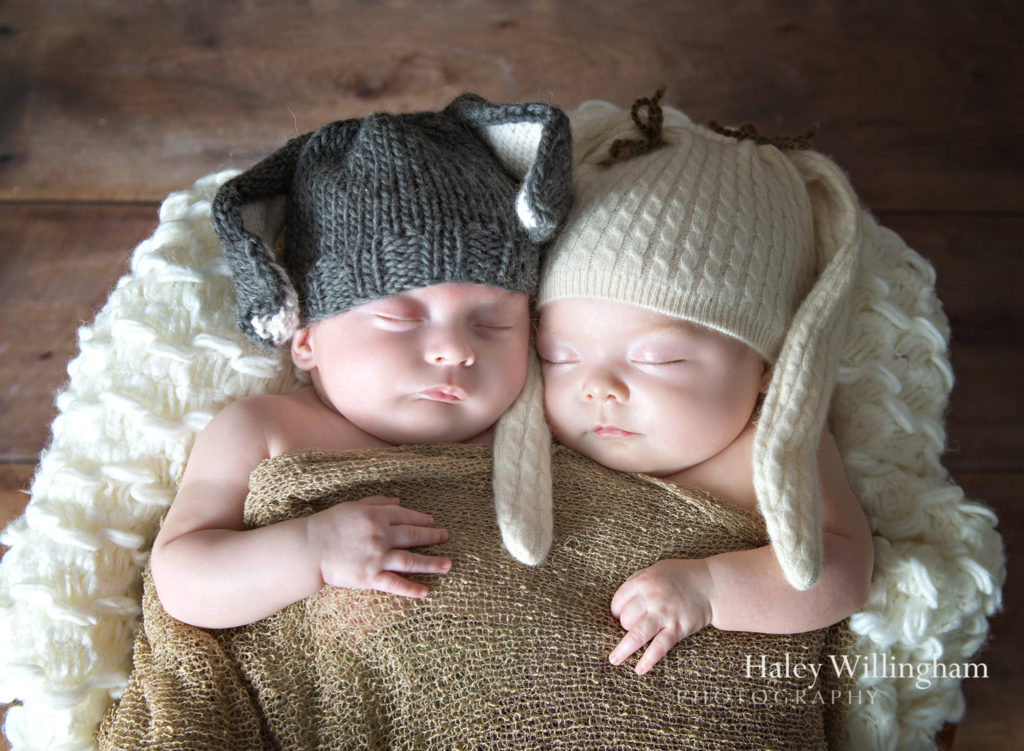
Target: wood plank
[
  {"x": 58, "y": 264},
  {"x": 986, "y": 412},
  {"x": 132, "y": 100}
]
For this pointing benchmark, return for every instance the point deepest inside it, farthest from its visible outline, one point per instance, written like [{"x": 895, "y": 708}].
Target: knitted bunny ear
[
  {"x": 797, "y": 402},
  {"x": 533, "y": 142},
  {"x": 522, "y": 472},
  {"x": 248, "y": 215}
]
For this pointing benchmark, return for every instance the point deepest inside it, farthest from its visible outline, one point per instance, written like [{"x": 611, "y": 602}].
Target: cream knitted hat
[{"x": 752, "y": 241}]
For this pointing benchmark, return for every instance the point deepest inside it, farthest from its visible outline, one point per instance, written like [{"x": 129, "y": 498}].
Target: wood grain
[
  {"x": 58, "y": 264},
  {"x": 108, "y": 107},
  {"x": 129, "y": 101}
]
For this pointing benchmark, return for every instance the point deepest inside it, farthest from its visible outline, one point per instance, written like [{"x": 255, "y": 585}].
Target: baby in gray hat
[{"x": 397, "y": 254}]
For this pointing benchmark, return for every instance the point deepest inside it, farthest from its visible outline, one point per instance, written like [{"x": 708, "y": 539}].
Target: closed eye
[
  {"x": 395, "y": 322},
  {"x": 657, "y": 363}
]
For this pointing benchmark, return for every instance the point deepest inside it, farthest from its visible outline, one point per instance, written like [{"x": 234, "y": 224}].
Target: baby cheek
[{"x": 557, "y": 406}]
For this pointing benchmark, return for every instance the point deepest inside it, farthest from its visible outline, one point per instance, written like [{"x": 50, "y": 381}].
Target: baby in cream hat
[{"x": 691, "y": 314}]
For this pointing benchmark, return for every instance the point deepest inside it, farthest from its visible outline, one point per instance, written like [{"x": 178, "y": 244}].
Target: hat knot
[{"x": 650, "y": 130}]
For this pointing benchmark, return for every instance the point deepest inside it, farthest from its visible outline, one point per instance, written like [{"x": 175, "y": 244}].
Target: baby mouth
[
  {"x": 610, "y": 431},
  {"x": 447, "y": 394}
]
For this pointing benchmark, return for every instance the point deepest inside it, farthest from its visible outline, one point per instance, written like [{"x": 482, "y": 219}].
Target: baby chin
[{"x": 624, "y": 453}]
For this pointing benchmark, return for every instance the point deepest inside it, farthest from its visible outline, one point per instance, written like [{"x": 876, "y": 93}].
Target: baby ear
[
  {"x": 302, "y": 350},
  {"x": 534, "y": 143},
  {"x": 248, "y": 215}
]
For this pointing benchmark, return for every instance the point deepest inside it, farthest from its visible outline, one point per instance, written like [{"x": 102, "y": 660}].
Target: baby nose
[
  {"x": 604, "y": 386},
  {"x": 451, "y": 350}
]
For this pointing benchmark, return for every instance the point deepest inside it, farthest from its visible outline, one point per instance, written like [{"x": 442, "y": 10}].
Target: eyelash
[
  {"x": 399, "y": 320},
  {"x": 395, "y": 321},
  {"x": 663, "y": 362}
]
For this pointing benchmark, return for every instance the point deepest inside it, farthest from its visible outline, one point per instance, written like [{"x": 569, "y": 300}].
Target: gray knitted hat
[
  {"x": 364, "y": 209},
  {"x": 374, "y": 207}
]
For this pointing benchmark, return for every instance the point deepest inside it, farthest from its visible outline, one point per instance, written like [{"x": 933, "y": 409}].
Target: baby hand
[
  {"x": 661, "y": 604},
  {"x": 362, "y": 544}
]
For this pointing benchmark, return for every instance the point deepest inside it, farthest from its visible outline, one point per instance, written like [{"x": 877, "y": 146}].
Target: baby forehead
[{"x": 457, "y": 294}]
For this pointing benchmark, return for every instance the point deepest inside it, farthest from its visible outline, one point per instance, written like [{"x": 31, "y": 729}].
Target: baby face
[
  {"x": 640, "y": 391},
  {"x": 434, "y": 364}
]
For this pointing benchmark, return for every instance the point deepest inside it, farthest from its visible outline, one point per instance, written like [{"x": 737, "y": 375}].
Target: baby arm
[
  {"x": 746, "y": 590},
  {"x": 210, "y": 571}
]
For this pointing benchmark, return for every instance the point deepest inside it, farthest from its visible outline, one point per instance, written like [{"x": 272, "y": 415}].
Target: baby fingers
[
  {"x": 392, "y": 583},
  {"x": 415, "y": 536},
  {"x": 392, "y": 510},
  {"x": 415, "y": 563},
  {"x": 403, "y": 515},
  {"x": 663, "y": 641},
  {"x": 639, "y": 634},
  {"x": 408, "y": 563},
  {"x": 647, "y": 629}
]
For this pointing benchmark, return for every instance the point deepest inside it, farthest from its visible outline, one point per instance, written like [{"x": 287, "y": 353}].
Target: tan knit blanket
[{"x": 499, "y": 655}]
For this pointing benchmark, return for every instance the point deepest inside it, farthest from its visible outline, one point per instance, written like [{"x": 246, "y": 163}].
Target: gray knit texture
[{"x": 381, "y": 205}]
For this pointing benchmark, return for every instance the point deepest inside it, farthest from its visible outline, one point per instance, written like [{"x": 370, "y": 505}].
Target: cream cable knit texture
[
  {"x": 522, "y": 472},
  {"x": 797, "y": 401},
  {"x": 164, "y": 354},
  {"x": 755, "y": 243}
]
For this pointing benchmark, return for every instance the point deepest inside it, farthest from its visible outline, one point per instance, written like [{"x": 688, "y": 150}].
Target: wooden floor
[{"x": 107, "y": 107}]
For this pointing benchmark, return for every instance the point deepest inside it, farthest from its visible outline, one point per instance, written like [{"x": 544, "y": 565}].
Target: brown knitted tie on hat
[
  {"x": 627, "y": 148},
  {"x": 650, "y": 130},
  {"x": 748, "y": 132}
]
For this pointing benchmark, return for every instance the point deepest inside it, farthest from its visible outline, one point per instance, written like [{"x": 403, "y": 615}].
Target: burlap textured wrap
[{"x": 499, "y": 655}]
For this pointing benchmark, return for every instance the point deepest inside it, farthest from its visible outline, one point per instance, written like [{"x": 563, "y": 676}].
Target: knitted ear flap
[
  {"x": 796, "y": 405},
  {"x": 533, "y": 142},
  {"x": 248, "y": 215},
  {"x": 522, "y": 472}
]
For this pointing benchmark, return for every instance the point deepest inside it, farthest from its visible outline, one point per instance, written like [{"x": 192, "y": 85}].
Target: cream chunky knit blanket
[
  {"x": 499, "y": 655},
  {"x": 164, "y": 354}
]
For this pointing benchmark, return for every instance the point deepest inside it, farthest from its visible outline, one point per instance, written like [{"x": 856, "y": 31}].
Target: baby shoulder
[
  {"x": 235, "y": 439},
  {"x": 297, "y": 421},
  {"x": 249, "y": 418}
]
